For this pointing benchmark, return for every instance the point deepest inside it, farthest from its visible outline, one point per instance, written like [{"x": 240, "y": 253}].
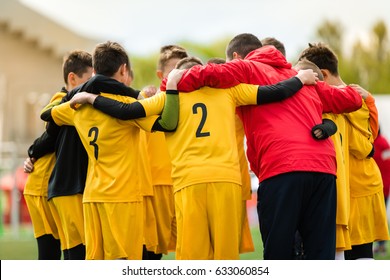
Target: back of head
[
  {"x": 216, "y": 60},
  {"x": 108, "y": 57},
  {"x": 188, "y": 62},
  {"x": 274, "y": 42},
  {"x": 77, "y": 62},
  {"x": 242, "y": 44},
  {"x": 170, "y": 52},
  {"x": 306, "y": 64},
  {"x": 321, "y": 55}
]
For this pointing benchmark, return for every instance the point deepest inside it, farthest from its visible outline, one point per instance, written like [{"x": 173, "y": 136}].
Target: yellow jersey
[
  {"x": 204, "y": 147},
  {"x": 113, "y": 148}
]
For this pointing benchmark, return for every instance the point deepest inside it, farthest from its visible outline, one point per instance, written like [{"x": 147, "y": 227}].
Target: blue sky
[{"x": 143, "y": 26}]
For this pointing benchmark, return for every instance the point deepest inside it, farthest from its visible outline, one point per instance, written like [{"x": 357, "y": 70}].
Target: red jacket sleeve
[
  {"x": 338, "y": 100},
  {"x": 214, "y": 75}
]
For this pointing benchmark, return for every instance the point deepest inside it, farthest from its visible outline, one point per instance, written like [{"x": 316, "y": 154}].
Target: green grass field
[{"x": 24, "y": 247}]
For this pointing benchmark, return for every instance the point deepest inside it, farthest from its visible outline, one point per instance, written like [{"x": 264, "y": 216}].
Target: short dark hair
[
  {"x": 169, "y": 52},
  {"x": 216, "y": 60},
  {"x": 321, "y": 55},
  {"x": 188, "y": 62},
  {"x": 77, "y": 62},
  {"x": 274, "y": 42},
  {"x": 108, "y": 57},
  {"x": 242, "y": 44}
]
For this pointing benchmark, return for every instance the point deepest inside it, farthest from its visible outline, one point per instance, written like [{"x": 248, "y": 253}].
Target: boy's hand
[
  {"x": 149, "y": 91},
  {"x": 317, "y": 133},
  {"x": 307, "y": 76},
  {"x": 82, "y": 98},
  {"x": 173, "y": 78},
  {"x": 324, "y": 130},
  {"x": 28, "y": 165},
  {"x": 363, "y": 93}
]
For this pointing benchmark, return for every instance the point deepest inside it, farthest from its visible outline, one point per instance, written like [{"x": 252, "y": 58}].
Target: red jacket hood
[{"x": 269, "y": 55}]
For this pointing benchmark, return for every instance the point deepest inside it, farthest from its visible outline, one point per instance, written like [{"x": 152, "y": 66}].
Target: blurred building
[{"x": 31, "y": 51}]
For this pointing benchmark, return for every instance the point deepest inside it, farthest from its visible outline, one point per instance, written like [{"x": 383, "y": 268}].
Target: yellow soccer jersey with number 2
[
  {"x": 203, "y": 148},
  {"x": 113, "y": 150}
]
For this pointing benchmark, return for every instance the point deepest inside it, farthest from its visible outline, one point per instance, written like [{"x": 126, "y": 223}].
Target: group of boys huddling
[{"x": 127, "y": 174}]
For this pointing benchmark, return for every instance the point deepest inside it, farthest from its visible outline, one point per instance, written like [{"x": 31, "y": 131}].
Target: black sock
[
  {"x": 154, "y": 256},
  {"x": 77, "y": 252},
  {"x": 66, "y": 254},
  {"x": 360, "y": 251},
  {"x": 149, "y": 255},
  {"x": 49, "y": 248}
]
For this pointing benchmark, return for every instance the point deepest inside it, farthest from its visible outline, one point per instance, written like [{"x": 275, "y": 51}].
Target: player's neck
[{"x": 335, "y": 81}]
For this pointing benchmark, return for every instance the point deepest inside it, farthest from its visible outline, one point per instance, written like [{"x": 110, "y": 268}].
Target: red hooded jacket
[{"x": 278, "y": 134}]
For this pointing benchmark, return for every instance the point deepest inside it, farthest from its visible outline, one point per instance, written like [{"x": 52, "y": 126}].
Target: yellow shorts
[
  {"x": 208, "y": 221},
  {"x": 68, "y": 215},
  {"x": 41, "y": 216},
  {"x": 343, "y": 240},
  {"x": 246, "y": 244},
  {"x": 114, "y": 230},
  {"x": 150, "y": 224},
  {"x": 368, "y": 220},
  {"x": 164, "y": 209}
]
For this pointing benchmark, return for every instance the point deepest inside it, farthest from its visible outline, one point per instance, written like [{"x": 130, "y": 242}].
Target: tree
[
  {"x": 380, "y": 40},
  {"x": 367, "y": 62},
  {"x": 330, "y": 33}
]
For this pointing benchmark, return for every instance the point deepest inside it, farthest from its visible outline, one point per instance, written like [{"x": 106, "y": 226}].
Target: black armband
[
  {"x": 279, "y": 91},
  {"x": 172, "y": 91}
]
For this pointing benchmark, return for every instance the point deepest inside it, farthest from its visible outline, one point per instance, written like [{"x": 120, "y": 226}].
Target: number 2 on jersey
[
  {"x": 203, "y": 109},
  {"x": 95, "y": 131}
]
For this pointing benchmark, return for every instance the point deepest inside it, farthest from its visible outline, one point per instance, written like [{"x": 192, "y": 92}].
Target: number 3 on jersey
[
  {"x": 203, "y": 111},
  {"x": 95, "y": 131}
]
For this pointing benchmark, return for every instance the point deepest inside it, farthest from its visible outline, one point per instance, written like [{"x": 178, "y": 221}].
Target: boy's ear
[
  {"x": 71, "y": 79},
  {"x": 123, "y": 71},
  {"x": 325, "y": 73},
  {"x": 159, "y": 74},
  {"x": 236, "y": 55}
]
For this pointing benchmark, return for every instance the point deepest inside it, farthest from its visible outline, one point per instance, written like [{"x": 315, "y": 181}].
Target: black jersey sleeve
[
  {"x": 119, "y": 110},
  {"x": 43, "y": 145},
  {"x": 100, "y": 83},
  {"x": 279, "y": 91}
]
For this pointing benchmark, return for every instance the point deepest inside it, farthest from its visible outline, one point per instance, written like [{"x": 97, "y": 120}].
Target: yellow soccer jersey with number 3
[{"x": 113, "y": 150}]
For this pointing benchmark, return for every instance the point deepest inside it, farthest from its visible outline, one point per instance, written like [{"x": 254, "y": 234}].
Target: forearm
[
  {"x": 170, "y": 114},
  {"x": 338, "y": 100},
  {"x": 46, "y": 115},
  {"x": 374, "y": 123},
  {"x": 359, "y": 146},
  {"x": 279, "y": 91},
  {"x": 43, "y": 145},
  {"x": 328, "y": 128},
  {"x": 213, "y": 75},
  {"x": 101, "y": 83},
  {"x": 119, "y": 110}
]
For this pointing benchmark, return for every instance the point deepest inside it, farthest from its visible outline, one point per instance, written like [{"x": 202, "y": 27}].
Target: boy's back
[
  {"x": 206, "y": 134},
  {"x": 112, "y": 146}
]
